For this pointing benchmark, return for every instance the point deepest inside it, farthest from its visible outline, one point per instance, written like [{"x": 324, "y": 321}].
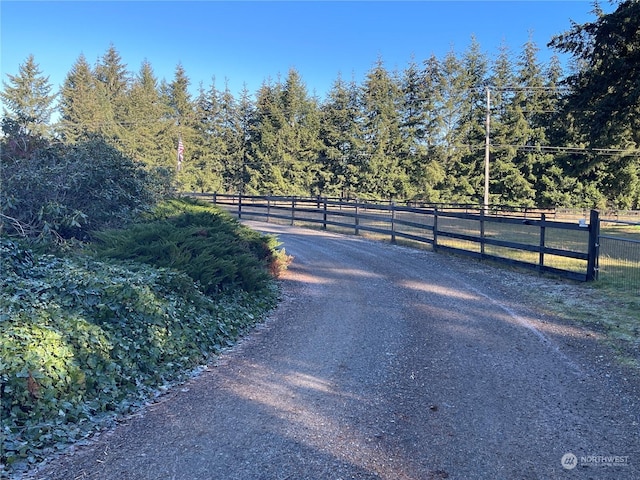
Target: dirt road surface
[{"x": 384, "y": 362}]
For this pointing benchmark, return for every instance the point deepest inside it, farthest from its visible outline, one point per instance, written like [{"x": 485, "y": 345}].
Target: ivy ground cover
[{"x": 85, "y": 339}]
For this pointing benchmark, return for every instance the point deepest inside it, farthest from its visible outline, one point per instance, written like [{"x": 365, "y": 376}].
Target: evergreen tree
[
  {"x": 418, "y": 159},
  {"x": 604, "y": 90},
  {"x": 27, "y": 99},
  {"x": 284, "y": 139},
  {"x": 229, "y": 135},
  {"x": 112, "y": 76},
  {"x": 341, "y": 152},
  {"x": 381, "y": 97},
  {"x": 79, "y": 103},
  {"x": 179, "y": 98},
  {"x": 208, "y": 149},
  {"x": 238, "y": 120},
  {"x": 433, "y": 120},
  {"x": 471, "y": 129},
  {"x": 459, "y": 91},
  {"x": 264, "y": 165},
  {"x": 181, "y": 119},
  {"x": 505, "y": 177},
  {"x": 512, "y": 134},
  {"x": 143, "y": 116},
  {"x": 554, "y": 185},
  {"x": 532, "y": 103},
  {"x": 603, "y": 105},
  {"x": 300, "y": 136},
  {"x": 112, "y": 82}
]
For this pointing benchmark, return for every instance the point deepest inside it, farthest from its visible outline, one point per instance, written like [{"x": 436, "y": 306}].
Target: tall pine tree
[
  {"x": 27, "y": 99},
  {"x": 143, "y": 116},
  {"x": 264, "y": 166},
  {"x": 238, "y": 119},
  {"x": 300, "y": 136},
  {"x": 506, "y": 180},
  {"x": 181, "y": 118},
  {"x": 384, "y": 176},
  {"x": 340, "y": 133},
  {"x": 112, "y": 82},
  {"x": 460, "y": 85},
  {"x": 471, "y": 129},
  {"x": 80, "y": 113},
  {"x": 419, "y": 160},
  {"x": 603, "y": 105}
]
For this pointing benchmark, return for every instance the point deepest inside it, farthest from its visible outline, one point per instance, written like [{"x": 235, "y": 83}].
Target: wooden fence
[{"x": 523, "y": 239}]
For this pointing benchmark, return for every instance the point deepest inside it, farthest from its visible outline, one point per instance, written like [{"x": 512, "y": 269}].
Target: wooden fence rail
[{"x": 563, "y": 248}]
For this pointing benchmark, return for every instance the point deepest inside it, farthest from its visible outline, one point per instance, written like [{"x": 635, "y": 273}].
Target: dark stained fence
[{"x": 524, "y": 239}]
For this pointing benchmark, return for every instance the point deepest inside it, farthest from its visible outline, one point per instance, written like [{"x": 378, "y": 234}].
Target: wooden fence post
[
  {"x": 392, "y": 206},
  {"x": 357, "y": 220},
  {"x": 268, "y": 207},
  {"x": 324, "y": 214},
  {"x": 543, "y": 229},
  {"x": 482, "y": 234},
  {"x": 293, "y": 210},
  {"x": 435, "y": 229},
  {"x": 239, "y": 206},
  {"x": 594, "y": 246}
]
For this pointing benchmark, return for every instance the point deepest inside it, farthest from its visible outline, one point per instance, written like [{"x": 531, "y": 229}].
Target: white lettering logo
[{"x": 569, "y": 461}]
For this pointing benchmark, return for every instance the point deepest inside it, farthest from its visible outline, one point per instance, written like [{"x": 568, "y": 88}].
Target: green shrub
[
  {"x": 82, "y": 339},
  {"x": 67, "y": 191},
  {"x": 200, "y": 240}
]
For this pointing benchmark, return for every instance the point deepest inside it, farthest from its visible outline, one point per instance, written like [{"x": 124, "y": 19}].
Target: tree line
[{"x": 556, "y": 139}]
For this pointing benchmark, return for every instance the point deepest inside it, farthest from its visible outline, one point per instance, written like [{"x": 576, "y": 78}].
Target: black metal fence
[
  {"x": 619, "y": 258},
  {"x": 522, "y": 238}
]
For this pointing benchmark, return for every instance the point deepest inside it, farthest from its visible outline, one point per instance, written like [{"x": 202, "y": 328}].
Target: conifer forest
[{"x": 558, "y": 136}]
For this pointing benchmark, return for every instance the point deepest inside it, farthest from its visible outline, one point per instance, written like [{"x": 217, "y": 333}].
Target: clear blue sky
[{"x": 248, "y": 42}]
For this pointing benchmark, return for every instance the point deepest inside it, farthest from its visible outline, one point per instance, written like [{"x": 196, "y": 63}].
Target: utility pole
[{"x": 486, "y": 154}]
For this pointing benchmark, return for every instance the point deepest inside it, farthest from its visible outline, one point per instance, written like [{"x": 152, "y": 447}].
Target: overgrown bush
[
  {"x": 66, "y": 191},
  {"x": 81, "y": 339},
  {"x": 201, "y": 240}
]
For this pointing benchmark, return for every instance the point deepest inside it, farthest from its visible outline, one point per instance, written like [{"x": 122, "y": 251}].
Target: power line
[
  {"x": 550, "y": 149},
  {"x": 574, "y": 150}
]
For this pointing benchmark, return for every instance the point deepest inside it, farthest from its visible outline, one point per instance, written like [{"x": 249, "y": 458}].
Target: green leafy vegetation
[
  {"x": 81, "y": 339},
  {"x": 89, "y": 331}
]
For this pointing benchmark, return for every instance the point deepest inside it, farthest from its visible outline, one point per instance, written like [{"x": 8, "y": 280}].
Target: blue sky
[{"x": 248, "y": 42}]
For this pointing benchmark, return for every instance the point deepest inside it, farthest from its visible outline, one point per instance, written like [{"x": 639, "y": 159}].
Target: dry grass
[{"x": 613, "y": 313}]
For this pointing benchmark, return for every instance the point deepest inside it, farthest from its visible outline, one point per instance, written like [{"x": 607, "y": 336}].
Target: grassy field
[{"x": 620, "y": 257}]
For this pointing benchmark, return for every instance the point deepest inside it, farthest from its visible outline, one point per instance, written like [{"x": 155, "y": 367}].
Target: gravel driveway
[{"x": 384, "y": 362}]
